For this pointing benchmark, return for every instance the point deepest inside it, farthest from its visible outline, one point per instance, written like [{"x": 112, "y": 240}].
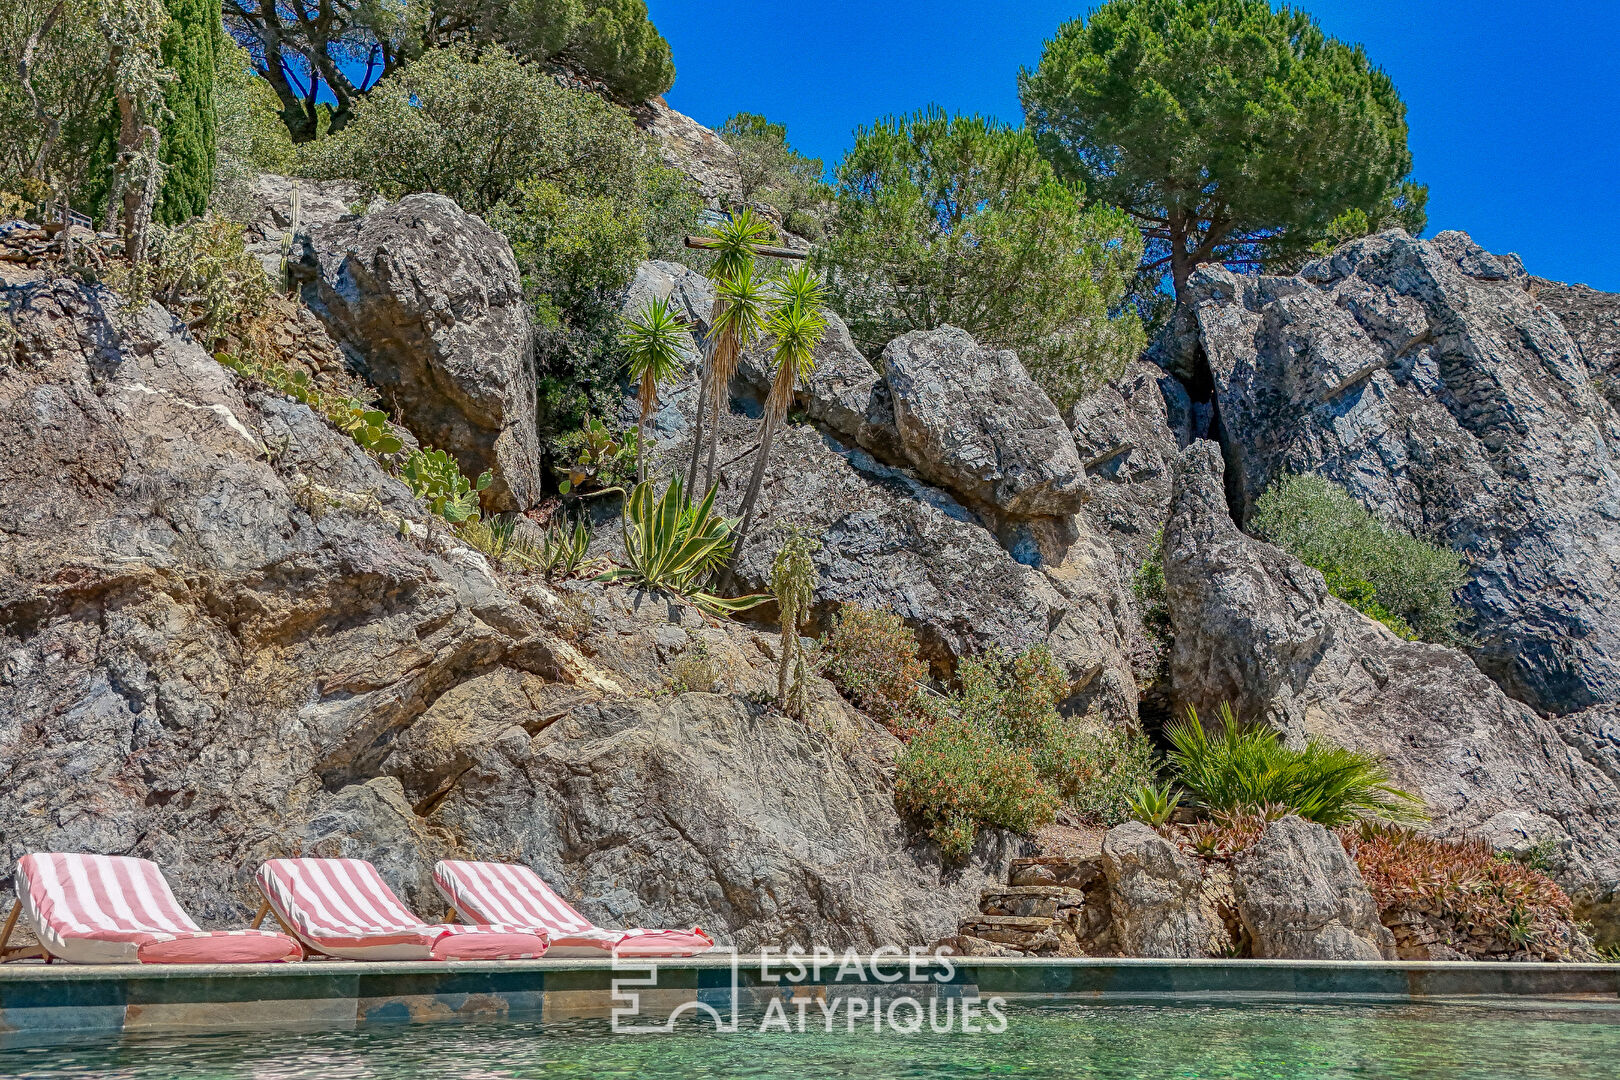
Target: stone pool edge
[{"x": 43, "y": 1004}]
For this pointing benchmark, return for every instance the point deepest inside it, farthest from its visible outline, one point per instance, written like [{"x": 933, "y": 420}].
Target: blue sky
[{"x": 1514, "y": 111}]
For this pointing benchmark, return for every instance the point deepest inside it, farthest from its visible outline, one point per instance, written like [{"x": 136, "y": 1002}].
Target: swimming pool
[{"x": 1069, "y": 1041}]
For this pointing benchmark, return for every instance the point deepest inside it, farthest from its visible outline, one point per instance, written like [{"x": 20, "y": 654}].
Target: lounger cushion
[
  {"x": 112, "y": 909},
  {"x": 342, "y": 907},
  {"x": 515, "y": 895}
]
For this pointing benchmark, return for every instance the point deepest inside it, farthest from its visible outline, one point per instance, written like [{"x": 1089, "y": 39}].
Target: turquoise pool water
[{"x": 1320, "y": 1042}]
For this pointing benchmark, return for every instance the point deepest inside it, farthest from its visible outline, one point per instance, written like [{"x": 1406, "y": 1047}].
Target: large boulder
[
  {"x": 1302, "y": 898},
  {"x": 971, "y": 420},
  {"x": 284, "y": 210},
  {"x": 690, "y": 148},
  {"x": 1424, "y": 377},
  {"x": 1162, "y": 900},
  {"x": 889, "y": 540},
  {"x": 1255, "y": 628},
  {"x": 428, "y": 301}
]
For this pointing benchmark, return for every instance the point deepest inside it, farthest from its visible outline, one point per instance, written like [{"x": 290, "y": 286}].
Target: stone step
[
  {"x": 1068, "y": 871},
  {"x": 1039, "y": 901},
  {"x": 1014, "y": 930}
]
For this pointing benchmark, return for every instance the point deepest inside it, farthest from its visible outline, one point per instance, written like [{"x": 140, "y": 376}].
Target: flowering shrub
[
  {"x": 871, "y": 656},
  {"x": 1461, "y": 880},
  {"x": 956, "y": 775}
]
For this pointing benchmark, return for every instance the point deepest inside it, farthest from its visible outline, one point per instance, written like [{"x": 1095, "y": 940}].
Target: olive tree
[
  {"x": 960, "y": 220},
  {"x": 1229, "y": 131}
]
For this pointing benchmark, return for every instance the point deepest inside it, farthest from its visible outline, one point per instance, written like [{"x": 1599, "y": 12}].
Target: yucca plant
[
  {"x": 730, "y": 331},
  {"x": 655, "y": 340},
  {"x": 1242, "y": 767},
  {"x": 797, "y": 326},
  {"x": 674, "y": 546}
]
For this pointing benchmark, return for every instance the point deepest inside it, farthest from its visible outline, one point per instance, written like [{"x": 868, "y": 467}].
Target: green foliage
[
  {"x": 871, "y": 655},
  {"x": 656, "y": 345},
  {"x": 1231, "y": 131},
  {"x": 793, "y": 586},
  {"x": 248, "y": 132},
  {"x": 188, "y": 147},
  {"x": 435, "y": 477},
  {"x": 562, "y": 552},
  {"x": 1244, "y": 767},
  {"x": 202, "y": 272},
  {"x": 774, "y": 173},
  {"x": 495, "y": 538},
  {"x": 673, "y": 545},
  {"x": 568, "y": 178},
  {"x": 959, "y": 220},
  {"x": 956, "y": 776},
  {"x": 1403, "y": 581},
  {"x": 332, "y": 52},
  {"x": 1102, "y": 766},
  {"x": 597, "y": 459},
  {"x": 1148, "y": 586},
  {"x": 1152, "y": 804},
  {"x": 53, "y": 153},
  {"x": 367, "y": 426}
]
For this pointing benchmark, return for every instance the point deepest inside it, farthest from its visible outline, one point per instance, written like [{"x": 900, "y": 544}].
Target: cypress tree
[{"x": 190, "y": 43}]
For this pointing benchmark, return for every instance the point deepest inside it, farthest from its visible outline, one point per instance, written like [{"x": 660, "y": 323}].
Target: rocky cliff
[{"x": 227, "y": 633}]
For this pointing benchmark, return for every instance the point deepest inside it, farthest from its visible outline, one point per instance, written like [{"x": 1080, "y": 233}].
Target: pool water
[{"x": 1320, "y": 1042}]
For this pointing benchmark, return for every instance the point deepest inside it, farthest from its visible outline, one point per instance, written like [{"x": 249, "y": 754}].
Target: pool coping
[{"x": 46, "y": 1004}]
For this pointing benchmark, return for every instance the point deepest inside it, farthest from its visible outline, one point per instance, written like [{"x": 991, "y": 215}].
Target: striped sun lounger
[
  {"x": 502, "y": 892},
  {"x": 341, "y": 907},
  {"x": 111, "y": 909}
]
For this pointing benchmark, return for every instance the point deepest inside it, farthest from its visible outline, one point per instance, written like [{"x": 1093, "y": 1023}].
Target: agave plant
[
  {"x": 675, "y": 546},
  {"x": 731, "y": 331},
  {"x": 797, "y": 325},
  {"x": 561, "y": 553},
  {"x": 656, "y": 341},
  {"x": 1152, "y": 804}
]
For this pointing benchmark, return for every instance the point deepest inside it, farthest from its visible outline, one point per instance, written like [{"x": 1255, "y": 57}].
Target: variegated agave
[{"x": 674, "y": 546}]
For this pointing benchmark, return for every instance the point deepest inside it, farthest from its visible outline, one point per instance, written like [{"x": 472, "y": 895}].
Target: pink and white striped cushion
[
  {"x": 516, "y": 895},
  {"x": 112, "y": 909},
  {"x": 342, "y": 907}
]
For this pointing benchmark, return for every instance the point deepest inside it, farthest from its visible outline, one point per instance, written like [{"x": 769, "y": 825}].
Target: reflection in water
[{"x": 1306, "y": 1042}]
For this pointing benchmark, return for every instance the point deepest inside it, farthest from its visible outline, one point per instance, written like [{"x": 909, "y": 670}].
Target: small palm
[{"x": 656, "y": 343}]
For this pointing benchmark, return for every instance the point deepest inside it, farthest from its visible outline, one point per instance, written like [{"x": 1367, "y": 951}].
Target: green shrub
[
  {"x": 1103, "y": 766},
  {"x": 774, "y": 173},
  {"x": 1246, "y": 767},
  {"x": 1404, "y": 582},
  {"x": 871, "y": 655},
  {"x": 960, "y": 220},
  {"x": 956, "y": 776}
]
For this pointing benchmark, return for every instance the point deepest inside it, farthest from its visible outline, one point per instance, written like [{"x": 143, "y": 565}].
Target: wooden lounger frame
[{"x": 25, "y": 952}]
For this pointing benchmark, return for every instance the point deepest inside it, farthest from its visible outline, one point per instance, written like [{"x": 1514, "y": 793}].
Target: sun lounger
[
  {"x": 111, "y": 909},
  {"x": 515, "y": 895},
  {"x": 341, "y": 907}
]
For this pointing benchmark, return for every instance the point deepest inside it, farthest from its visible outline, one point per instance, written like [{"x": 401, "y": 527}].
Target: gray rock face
[
  {"x": 1593, "y": 321},
  {"x": 1161, "y": 904},
  {"x": 973, "y": 421},
  {"x": 1126, "y": 443},
  {"x": 890, "y": 541},
  {"x": 216, "y": 648},
  {"x": 273, "y": 215},
  {"x": 700, "y": 810},
  {"x": 1301, "y": 898},
  {"x": 693, "y": 149},
  {"x": 1256, "y": 628},
  {"x": 429, "y": 300},
  {"x": 1424, "y": 377}
]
